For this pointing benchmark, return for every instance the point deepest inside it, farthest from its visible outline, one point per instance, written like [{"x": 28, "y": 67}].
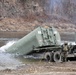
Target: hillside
[{"x": 25, "y": 15}]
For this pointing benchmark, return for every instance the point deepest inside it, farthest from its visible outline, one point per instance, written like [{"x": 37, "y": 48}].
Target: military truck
[{"x": 44, "y": 42}]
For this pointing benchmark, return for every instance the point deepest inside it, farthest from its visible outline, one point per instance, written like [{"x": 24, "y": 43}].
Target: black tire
[
  {"x": 57, "y": 57},
  {"x": 49, "y": 56}
]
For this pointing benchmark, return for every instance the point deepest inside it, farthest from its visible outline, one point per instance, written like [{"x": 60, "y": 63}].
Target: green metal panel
[{"x": 39, "y": 37}]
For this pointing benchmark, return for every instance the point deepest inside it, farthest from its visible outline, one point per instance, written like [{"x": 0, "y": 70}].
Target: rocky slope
[{"x": 25, "y": 15}]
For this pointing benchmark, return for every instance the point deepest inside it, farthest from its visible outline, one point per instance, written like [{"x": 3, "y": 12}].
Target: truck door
[
  {"x": 51, "y": 36},
  {"x": 46, "y": 37}
]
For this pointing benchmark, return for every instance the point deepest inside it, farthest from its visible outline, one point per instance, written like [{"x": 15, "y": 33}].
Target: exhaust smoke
[
  {"x": 7, "y": 61},
  {"x": 3, "y": 48}
]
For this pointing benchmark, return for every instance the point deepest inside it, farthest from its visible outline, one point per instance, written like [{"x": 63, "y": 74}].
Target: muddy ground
[{"x": 42, "y": 68}]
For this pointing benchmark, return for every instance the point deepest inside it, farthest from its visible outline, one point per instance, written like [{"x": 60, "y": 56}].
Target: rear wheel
[
  {"x": 57, "y": 57},
  {"x": 49, "y": 56}
]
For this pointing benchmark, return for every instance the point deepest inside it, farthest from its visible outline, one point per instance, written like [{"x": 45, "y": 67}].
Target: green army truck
[{"x": 43, "y": 42}]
